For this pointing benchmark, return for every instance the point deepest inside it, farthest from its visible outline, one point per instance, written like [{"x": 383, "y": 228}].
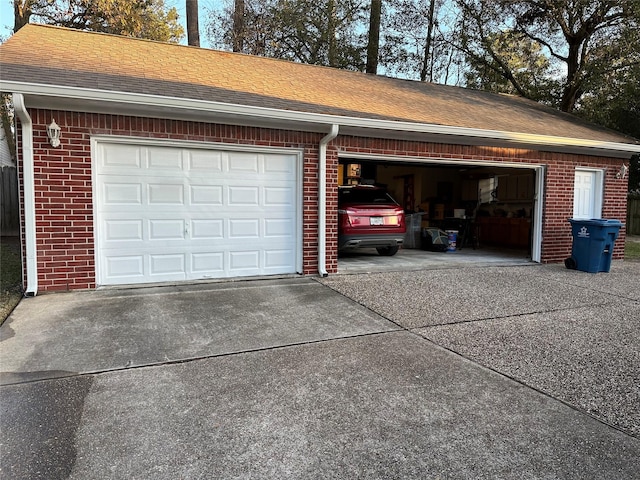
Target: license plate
[{"x": 376, "y": 221}]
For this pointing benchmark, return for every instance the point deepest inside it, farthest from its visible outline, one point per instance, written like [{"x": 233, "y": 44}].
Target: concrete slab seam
[
  {"x": 200, "y": 358},
  {"x": 524, "y": 384}
]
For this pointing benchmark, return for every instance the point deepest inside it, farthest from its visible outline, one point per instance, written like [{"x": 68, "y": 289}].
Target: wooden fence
[
  {"x": 633, "y": 216},
  {"x": 9, "y": 209}
]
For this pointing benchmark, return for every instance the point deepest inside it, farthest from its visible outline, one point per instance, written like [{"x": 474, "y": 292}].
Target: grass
[
  {"x": 10, "y": 273},
  {"x": 632, "y": 251}
]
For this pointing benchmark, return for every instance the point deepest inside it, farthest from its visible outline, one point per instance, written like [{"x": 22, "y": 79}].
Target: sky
[{"x": 6, "y": 16}]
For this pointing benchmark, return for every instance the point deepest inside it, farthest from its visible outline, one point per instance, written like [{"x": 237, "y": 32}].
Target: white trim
[
  {"x": 28, "y": 194},
  {"x": 537, "y": 214},
  {"x": 436, "y": 160},
  {"x": 96, "y": 140},
  {"x": 169, "y": 105},
  {"x": 322, "y": 199}
]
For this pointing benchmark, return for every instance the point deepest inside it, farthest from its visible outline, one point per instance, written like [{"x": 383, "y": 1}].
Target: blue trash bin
[{"x": 592, "y": 248}]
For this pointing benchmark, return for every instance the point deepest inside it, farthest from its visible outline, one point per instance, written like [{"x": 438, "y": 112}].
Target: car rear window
[{"x": 365, "y": 195}]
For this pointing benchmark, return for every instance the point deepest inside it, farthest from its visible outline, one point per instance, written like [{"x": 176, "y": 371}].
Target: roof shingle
[{"x": 114, "y": 63}]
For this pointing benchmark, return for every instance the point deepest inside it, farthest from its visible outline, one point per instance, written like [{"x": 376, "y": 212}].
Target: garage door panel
[
  {"x": 244, "y": 260},
  {"x": 245, "y": 228},
  {"x": 121, "y": 193},
  {"x": 171, "y": 214},
  {"x": 123, "y": 230},
  {"x": 277, "y": 259},
  {"x": 159, "y": 158},
  {"x": 277, "y": 196},
  {"x": 201, "y": 161},
  {"x": 280, "y": 166},
  {"x": 207, "y": 229},
  {"x": 206, "y": 195},
  {"x": 243, "y": 196},
  {"x": 165, "y": 194},
  {"x": 278, "y": 227},
  {"x": 207, "y": 264},
  {"x": 125, "y": 266},
  {"x": 172, "y": 229},
  {"x": 243, "y": 162},
  {"x": 115, "y": 158},
  {"x": 167, "y": 263}
]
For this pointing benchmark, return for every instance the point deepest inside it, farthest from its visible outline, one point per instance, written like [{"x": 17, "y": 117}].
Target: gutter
[
  {"x": 28, "y": 194},
  {"x": 46, "y": 94},
  {"x": 322, "y": 199}
]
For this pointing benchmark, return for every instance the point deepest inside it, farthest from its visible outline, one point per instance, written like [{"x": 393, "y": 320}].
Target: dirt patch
[{"x": 10, "y": 275}]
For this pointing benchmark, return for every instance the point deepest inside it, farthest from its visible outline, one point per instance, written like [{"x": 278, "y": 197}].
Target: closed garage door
[{"x": 166, "y": 213}]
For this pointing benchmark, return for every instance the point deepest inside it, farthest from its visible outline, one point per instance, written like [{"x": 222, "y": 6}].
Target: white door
[
  {"x": 167, "y": 213},
  {"x": 587, "y": 194}
]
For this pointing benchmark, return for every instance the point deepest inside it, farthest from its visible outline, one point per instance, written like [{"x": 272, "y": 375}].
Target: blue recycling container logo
[{"x": 583, "y": 232}]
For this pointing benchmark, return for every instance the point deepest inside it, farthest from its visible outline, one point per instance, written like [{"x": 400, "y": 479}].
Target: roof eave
[{"x": 137, "y": 104}]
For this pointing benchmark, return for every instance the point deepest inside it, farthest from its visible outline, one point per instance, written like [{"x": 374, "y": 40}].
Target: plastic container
[
  {"x": 412, "y": 236},
  {"x": 592, "y": 248},
  {"x": 452, "y": 237}
]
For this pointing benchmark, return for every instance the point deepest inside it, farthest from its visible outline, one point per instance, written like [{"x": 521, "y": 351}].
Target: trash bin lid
[{"x": 600, "y": 222}]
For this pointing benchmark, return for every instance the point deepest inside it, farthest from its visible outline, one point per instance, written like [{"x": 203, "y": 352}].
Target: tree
[
  {"x": 575, "y": 33},
  {"x": 149, "y": 19},
  {"x": 529, "y": 69},
  {"x": 427, "y": 44},
  {"x": 238, "y": 31},
  {"x": 615, "y": 101},
  {"x": 193, "y": 30},
  {"x": 21, "y": 13},
  {"x": 634, "y": 175},
  {"x": 373, "y": 45},
  {"x": 572, "y": 34},
  {"x": 323, "y": 32},
  {"x": 6, "y": 117},
  {"x": 414, "y": 41},
  {"x": 136, "y": 18}
]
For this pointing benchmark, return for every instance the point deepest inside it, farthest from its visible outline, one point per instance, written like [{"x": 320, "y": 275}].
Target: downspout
[
  {"x": 322, "y": 199},
  {"x": 28, "y": 187}
]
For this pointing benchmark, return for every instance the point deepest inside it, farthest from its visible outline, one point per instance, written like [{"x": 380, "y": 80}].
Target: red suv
[{"x": 368, "y": 217}]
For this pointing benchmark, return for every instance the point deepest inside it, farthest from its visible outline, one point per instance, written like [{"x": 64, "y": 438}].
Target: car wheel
[{"x": 387, "y": 251}]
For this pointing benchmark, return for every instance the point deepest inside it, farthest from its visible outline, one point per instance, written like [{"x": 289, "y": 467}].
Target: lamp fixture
[
  {"x": 623, "y": 171},
  {"x": 53, "y": 132}
]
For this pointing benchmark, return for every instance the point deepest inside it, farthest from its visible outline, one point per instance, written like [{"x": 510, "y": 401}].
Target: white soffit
[{"x": 137, "y": 104}]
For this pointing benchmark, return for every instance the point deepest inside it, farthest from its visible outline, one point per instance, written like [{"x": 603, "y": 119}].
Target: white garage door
[{"x": 166, "y": 213}]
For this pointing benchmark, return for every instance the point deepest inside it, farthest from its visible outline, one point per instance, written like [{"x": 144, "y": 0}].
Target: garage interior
[{"x": 491, "y": 207}]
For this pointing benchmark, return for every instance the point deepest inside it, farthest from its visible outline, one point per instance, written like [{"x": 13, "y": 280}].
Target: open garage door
[
  {"x": 499, "y": 200},
  {"x": 170, "y": 213}
]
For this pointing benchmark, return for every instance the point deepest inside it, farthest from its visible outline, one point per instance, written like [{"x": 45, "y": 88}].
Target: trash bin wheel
[{"x": 570, "y": 263}]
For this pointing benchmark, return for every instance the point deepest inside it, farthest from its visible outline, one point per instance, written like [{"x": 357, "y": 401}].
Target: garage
[
  {"x": 228, "y": 166},
  {"x": 491, "y": 205},
  {"x": 172, "y": 211}
]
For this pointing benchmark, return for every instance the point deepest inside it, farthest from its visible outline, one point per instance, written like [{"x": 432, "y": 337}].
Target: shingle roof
[{"x": 64, "y": 57}]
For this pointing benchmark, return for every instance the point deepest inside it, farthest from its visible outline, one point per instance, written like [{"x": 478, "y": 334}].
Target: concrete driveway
[{"x": 494, "y": 372}]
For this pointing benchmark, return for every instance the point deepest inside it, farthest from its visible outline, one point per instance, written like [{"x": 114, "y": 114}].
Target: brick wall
[
  {"x": 64, "y": 204},
  {"x": 558, "y": 206},
  {"x": 63, "y": 185}
]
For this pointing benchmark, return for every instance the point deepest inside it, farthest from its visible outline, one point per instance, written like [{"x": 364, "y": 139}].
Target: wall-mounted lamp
[
  {"x": 53, "y": 132},
  {"x": 623, "y": 171}
]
